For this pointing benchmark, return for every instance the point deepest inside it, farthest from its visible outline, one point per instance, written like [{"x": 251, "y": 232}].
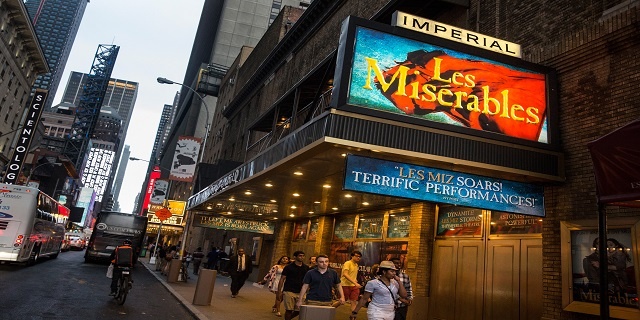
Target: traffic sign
[{"x": 163, "y": 214}]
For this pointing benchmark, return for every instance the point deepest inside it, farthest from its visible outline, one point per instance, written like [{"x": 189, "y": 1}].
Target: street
[{"x": 69, "y": 288}]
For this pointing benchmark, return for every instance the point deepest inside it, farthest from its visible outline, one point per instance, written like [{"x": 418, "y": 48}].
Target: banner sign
[
  {"x": 176, "y": 207},
  {"x": 264, "y": 227},
  {"x": 419, "y": 82},
  {"x": 159, "y": 193},
  {"x": 153, "y": 176},
  {"x": 172, "y": 220},
  {"x": 439, "y": 29},
  {"x": 404, "y": 180},
  {"x": 25, "y": 136},
  {"x": 185, "y": 159}
]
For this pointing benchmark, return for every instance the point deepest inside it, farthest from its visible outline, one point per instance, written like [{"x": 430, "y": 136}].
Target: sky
[{"x": 155, "y": 39}]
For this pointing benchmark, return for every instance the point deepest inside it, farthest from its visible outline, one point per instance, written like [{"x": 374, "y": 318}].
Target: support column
[
  {"x": 421, "y": 237},
  {"x": 282, "y": 244},
  {"x": 325, "y": 234}
]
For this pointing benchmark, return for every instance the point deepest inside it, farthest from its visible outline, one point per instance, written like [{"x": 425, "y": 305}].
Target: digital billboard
[
  {"x": 97, "y": 170},
  {"x": 425, "y": 80}
]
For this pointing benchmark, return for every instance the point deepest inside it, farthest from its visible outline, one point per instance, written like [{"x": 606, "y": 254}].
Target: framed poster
[
  {"x": 313, "y": 229},
  {"x": 580, "y": 267},
  {"x": 398, "y": 226},
  {"x": 343, "y": 229},
  {"x": 300, "y": 230},
  {"x": 370, "y": 226},
  {"x": 457, "y": 221},
  {"x": 255, "y": 250},
  {"x": 503, "y": 223}
]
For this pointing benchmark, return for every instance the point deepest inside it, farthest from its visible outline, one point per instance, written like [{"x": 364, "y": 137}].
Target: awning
[{"x": 616, "y": 164}]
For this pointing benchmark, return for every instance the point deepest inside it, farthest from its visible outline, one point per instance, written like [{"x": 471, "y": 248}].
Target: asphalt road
[{"x": 69, "y": 288}]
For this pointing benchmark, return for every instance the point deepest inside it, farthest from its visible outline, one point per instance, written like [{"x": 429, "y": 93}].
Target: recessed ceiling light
[
  {"x": 275, "y": 218},
  {"x": 255, "y": 205},
  {"x": 259, "y": 214},
  {"x": 294, "y": 207},
  {"x": 316, "y": 202},
  {"x": 232, "y": 199},
  {"x": 298, "y": 173},
  {"x": 326, "y": 186},
  {"x": 392, "y": 215},
  {"x": 335, "y": 208},
  {"x": 240, "y": 209},
  {"x": 229, "y": 212},
  {"x": 365, "y": 203},
  {"x": 361, "y": 219},
  {"x": 247, "y": 192},
  {"x": 218, "y": 204},
  {"x": 348, "y": 195},
  {"x": 209, "y": 207},
  {"x": 344, "y": 154},
  {"x": 296, "y": 194},
  {"x": 292, "y": 215},
  {"x": 268, "y": 185},
  {"x": 273, "y": 200},
  {"x": 311, "y": 212},
  {"x": 274, "y": 210}
]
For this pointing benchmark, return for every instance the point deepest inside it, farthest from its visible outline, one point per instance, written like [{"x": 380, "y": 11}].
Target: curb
[{"x": 193, "y": 310}]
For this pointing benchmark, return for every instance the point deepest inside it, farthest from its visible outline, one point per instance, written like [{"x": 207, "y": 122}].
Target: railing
[{"x": 304, "y": 116}]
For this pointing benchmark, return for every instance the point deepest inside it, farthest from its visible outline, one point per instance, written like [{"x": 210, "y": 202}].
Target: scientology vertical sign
[
  {"x": 430, "y": 184},
  {"x": 26, "y": 134}
]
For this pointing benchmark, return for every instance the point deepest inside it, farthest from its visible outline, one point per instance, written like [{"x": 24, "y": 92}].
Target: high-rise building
[
  {"x": 56, "y": 23},
  {"x": 122, "y": 168}
]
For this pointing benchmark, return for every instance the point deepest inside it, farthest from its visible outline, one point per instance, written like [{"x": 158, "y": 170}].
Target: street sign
[{"x": 163, "y": 214}]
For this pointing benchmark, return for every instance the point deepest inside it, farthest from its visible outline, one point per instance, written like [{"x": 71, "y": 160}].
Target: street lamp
[
  {"x": 162, "y": 80},
  {"x": 57, "y": 164},
  {"x": 204, "y": 144}
]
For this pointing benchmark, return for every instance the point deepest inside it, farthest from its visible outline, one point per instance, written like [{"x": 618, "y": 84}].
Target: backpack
[{"x": 124, "y": 256}]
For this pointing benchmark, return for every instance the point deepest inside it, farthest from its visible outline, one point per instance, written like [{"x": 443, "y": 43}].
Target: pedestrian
[
  {"x": 273, "y": 277},
  {"x": 239, "y": 268},
  {"x": 384, "y": 293},
  {"x": 319, "y": 282},
  {"x": 160, "y": 262},
  {"x": 313, "y": 262},
  {"x": 212, "y": 258},
  {"x": 403, "y": 304},
  {"x": 291, "y": 283},
  {"x": 187, "y": 259},
  {"x": 197, "y": 259},
  {"x": 349, "y": 277},
  {"x": 170, "y": 255}
]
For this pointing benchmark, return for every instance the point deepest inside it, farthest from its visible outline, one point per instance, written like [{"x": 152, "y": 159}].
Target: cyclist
[{"x": 122, "y": 256}]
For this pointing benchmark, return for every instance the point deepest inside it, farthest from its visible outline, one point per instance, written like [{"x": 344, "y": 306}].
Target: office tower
[
  {"x": 122, "y": 168},
  {"x": 56, "y": 23}
]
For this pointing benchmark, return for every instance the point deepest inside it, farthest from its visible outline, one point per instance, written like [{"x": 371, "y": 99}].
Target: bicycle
[{"x": 124, "y": 285}]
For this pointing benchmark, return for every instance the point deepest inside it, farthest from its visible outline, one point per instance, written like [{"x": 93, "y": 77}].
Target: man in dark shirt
[
  {"x": 291, "y": 283},
  {"x": 319, "y": 282}
]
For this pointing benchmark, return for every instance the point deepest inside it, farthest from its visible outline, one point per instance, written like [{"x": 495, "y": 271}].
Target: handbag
[{"x": 110, "y": 271}]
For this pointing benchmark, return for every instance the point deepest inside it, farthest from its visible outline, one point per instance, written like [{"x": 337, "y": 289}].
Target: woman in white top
[
  {"x": 274, "y": 279},
  {"x": 383, "y": 292}
]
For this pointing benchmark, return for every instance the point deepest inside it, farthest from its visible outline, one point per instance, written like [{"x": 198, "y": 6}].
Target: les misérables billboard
[{"x": 416, "y": 78}]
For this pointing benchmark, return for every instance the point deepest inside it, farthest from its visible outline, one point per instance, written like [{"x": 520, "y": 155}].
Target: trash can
[
  {"x": 204, "y": 287},
  {"x": 308, "y": 312},
  {"x": 174, "y": 270}
]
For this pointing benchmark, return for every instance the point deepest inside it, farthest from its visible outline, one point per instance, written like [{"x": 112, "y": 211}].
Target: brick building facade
[{"x": 277, "y": 120}]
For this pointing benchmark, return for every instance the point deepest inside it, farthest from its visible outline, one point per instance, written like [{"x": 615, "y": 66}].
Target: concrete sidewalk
[{"x": 251, "y": 303}]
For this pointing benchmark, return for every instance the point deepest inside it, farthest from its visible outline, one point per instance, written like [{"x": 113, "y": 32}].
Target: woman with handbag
[
  {"x": 274, "y": 279},
  {"x": 384, "y": 292}
]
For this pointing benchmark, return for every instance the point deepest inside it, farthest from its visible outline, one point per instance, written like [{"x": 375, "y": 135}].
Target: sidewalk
[{"x": 251, "y": 303}]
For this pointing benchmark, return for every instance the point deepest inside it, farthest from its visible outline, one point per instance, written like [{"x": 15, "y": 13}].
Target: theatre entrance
[{"x": 486, "y": 265}]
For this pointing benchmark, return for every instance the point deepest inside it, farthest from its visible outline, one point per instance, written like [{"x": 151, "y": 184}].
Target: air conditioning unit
[{"x": 232, "y": 81}]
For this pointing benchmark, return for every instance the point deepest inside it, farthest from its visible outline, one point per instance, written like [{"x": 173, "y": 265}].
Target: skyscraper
[
  {"x": 122, "y": 167},
  {"x": 56, "y": 23}
]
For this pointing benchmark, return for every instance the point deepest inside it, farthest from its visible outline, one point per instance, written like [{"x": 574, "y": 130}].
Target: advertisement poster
[
  {"x": 511, "y": 223},
  {"x": 405, "y": 180},
  {"x": 621, "y": 267},
  {"x": 424, "y": 81},
  {"x": 313, "y": 230},
  {"x": 459, "y": 221},
  {"x": 300, "y": 231},
  {"x": 398, "y": 226},
  {"x": 159, "y": 192},
  {"x": 185, "y": 159},
  {"x": 343, "y": 228},
  {"x": 370, "y": 227}
]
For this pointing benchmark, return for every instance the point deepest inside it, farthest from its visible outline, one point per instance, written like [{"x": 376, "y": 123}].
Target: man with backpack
[{"x": 122, "y": 256}]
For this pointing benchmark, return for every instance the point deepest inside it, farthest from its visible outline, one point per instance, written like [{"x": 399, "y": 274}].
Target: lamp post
[
  {"x": 57, "y": 164},
  {"x": 204, "y": 144},
  {"x": 153, "y": 254}
]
